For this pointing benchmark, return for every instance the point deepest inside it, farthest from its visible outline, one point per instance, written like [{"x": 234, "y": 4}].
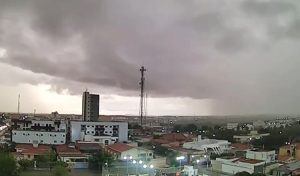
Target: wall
[
  {"x": 234, "y": 168},
  {"x": 41, "y": 137},
  {"x": 138, "y": 154},
  {"x": 268, "y": 156}
]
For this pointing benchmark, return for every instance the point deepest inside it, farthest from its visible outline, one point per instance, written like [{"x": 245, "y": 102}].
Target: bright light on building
[{"x": 180, "y": 158}]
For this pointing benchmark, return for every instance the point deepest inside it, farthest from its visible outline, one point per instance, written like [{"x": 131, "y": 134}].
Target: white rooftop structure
[{"x": 217, "y": 146}]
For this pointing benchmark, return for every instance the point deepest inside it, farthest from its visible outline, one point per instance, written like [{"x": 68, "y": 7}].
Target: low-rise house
[
  {"x": 208, "y": 145},
  {"x": 289, "y": 152},
  {"x": 289, "y": 169},
  {"x": 263, "y": 155},
  {"x": 247, "y": 138},
  {"x": 88, "y": 148},
  {"x": 123, "y": 152},
  {"x": 177, "y": 138},
  {"x": 73, "y": 157},
  {"x": 30, "y": 152},
  {"x": 240, "y": 149},
  {"x": 232, "y": 126},
  {"x": 235, "y": 165}
]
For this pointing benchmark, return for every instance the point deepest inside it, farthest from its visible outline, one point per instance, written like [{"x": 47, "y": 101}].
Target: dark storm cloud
[{"x": 239, "y": 53}]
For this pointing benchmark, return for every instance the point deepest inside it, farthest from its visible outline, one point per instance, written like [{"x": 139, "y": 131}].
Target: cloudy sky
[{"x": 202, "y": 56}]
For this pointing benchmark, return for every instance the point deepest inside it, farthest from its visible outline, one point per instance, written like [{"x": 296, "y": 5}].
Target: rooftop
[
  {"x": 30, "y": 149},
  {"x": 250, "y": 161},
  {"x": 119, "y": 147},
  {"x": 65, "y": 150}
]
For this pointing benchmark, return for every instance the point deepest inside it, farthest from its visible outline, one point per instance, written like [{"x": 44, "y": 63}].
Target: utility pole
[{"x": 142, "y": 70}]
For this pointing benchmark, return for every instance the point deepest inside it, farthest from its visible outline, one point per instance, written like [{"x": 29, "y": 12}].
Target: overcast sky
[{"x": 202, "y": 57}]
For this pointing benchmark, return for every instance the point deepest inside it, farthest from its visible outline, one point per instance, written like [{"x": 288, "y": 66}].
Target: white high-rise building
[{"x": 90, "y": 106}]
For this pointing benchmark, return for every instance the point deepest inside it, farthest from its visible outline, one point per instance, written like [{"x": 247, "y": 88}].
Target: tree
[
  {"x": 24, "y": 164},
  {"x": 8, "y": 165},
  {"x": 60, "y": 171},
  {"x": 98, "y": 159},
  {"x": 190, "y": 128}
]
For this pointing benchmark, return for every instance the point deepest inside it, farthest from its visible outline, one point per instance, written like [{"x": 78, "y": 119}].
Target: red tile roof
[
  {"x": 172, "y": 137},
  {"x": 250, "y": 161},
  {"x": 88, "y": 146},
  {"x": 119, "y": 147},
  {"x": 66, "y": 150},
  {"x": 29, "y": 149}
]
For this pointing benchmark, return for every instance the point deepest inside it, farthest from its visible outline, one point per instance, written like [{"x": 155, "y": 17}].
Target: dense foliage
[
  {"x": 8, "y": 165},
  {"x": 97, "y": 160}
]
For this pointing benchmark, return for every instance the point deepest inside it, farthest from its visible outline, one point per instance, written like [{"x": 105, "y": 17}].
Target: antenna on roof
[{"x": 142, "y": 70}]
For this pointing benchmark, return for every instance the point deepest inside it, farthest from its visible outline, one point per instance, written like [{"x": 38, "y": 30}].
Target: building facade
[
  {"x": 208, "y": 145},
  {"x": 262, "y": 155},
  {"x": 39, "y": 131},
  {"x": 99, "y": 132},
  {"x": 90, "y": 106}
]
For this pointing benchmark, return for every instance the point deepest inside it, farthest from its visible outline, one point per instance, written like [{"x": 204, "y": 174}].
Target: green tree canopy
[
  {"x": 8, "y": 165},
  {"x": 60, "y": 170}
]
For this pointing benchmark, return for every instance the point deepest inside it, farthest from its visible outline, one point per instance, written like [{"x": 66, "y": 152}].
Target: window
[
  {"x": 110, "y": 132},
  {"x": 42, "y": 135},
  {"x": 106, "y": 142},
  {"x": 37, "y": 134},
  {"x": 96, "y": 140},
  {"x": 63, "y": 135},
  {"x": 61, "y": 141},
  {"x": 41, "y": 141},
  {"x": 55, "y": 141},
  {"x": 15, "y": 133}
]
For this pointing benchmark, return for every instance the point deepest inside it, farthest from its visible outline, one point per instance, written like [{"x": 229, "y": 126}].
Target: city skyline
[{"x": 202, "y": 57}]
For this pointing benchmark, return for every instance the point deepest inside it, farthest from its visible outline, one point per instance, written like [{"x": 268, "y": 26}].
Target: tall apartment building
[
  {"x": 32, "y": 131},
  {"x": 90, "y": 106}
]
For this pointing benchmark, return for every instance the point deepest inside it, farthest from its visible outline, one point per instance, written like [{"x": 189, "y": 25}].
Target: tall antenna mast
[
  {"x": 19, "y": 103},
  {"x": 142, "y": 70}
]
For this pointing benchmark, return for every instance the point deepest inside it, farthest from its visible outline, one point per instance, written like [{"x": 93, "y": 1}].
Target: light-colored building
[
  {"x": 90, "y": 106},
  {"x": 247, "y": 138},
  {"x": 39, "y": 131},
  {"x": 99, "y": 132},
  {"x": 262, "y": 155},
  {"x": 259, "y": 124},
  {"x": 235, "y": 165},
  {"x": 124, "y": 152},
  {"x": 208, "y": 145},
  {"x": 232, "y": 126}
]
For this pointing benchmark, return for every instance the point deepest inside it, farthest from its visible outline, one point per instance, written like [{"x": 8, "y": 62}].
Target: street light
[
  {"x": 179, "y": 158},
  {"x": 127, "y": 158}
]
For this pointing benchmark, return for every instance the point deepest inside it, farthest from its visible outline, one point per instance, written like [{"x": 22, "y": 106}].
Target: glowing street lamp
[{"x": 179, "y": 158}]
